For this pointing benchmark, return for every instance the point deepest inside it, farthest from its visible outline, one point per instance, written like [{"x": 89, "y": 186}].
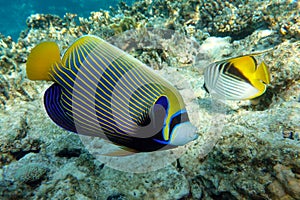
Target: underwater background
[
  {"x": 245, "y": 150},
  {"x": 14, "y": 13}
]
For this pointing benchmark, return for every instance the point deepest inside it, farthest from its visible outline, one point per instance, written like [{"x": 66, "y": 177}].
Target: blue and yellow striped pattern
[{"x": 105, "y": 92}]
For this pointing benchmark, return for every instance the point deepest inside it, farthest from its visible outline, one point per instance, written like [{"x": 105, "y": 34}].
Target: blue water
[{"x": 13, "y": 14}]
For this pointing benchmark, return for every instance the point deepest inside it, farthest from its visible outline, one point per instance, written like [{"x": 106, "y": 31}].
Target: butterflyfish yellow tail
[
  {"x": 262, "y": 73},
  {"x": 41, "y": 59}
]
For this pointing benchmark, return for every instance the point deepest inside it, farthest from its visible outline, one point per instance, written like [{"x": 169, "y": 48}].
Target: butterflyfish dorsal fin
[
  {"x": 245, "y": 64},
  {"x": 262, "y": 73},
  {"x": 41, "y": 59}
]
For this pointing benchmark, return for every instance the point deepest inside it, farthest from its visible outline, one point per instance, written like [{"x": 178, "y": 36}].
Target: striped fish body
[
  {"x": 101, "y": 91},
  {"x": 238, "y": 78}
]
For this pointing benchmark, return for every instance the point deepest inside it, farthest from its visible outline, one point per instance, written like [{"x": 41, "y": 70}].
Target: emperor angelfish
[
  {"x": 237, "y": 78},
  {"x": 100, "y": 90}
]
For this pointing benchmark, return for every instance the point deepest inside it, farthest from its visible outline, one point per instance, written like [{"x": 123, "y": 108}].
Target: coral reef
[
  {"x": 237, "y": 19},
  {"x": 238, "y": 168},
  {"x": 284, "y": 16},
  {"x": 257, "y": 150}
]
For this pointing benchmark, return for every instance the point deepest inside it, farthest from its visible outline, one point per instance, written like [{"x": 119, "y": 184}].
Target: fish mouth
[{"x": 194, "y": 134}]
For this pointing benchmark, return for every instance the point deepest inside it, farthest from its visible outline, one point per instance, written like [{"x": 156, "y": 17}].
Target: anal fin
[
  {"x": 55, "y": 110},
  {"x": 121, "y": 152}
]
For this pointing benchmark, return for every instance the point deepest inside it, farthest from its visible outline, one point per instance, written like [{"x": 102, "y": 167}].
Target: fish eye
[{"x": 263, "y": 82}]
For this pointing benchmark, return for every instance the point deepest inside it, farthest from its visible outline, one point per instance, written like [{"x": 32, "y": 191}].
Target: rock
[
  {"x": 288, "y": 179},
  {"x": 31, "y": 173},
  {"x": 277, "y": 191},
  {"x": 68, "y": 146}
]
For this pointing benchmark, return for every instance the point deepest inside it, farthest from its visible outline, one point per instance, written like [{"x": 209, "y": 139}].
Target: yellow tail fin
[
  {"x": 41, "y": 59},
  {"x": 262, "y": 73}
]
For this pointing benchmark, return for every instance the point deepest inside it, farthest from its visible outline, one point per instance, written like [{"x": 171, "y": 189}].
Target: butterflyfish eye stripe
[{"x": 232, "y": 71}]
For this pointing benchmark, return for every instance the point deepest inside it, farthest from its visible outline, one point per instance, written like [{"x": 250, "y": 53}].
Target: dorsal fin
[
  {"x": 41, "y": 59},
  {"x": 245, "y": 64},
  {"x": 80, "y": 49}
]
